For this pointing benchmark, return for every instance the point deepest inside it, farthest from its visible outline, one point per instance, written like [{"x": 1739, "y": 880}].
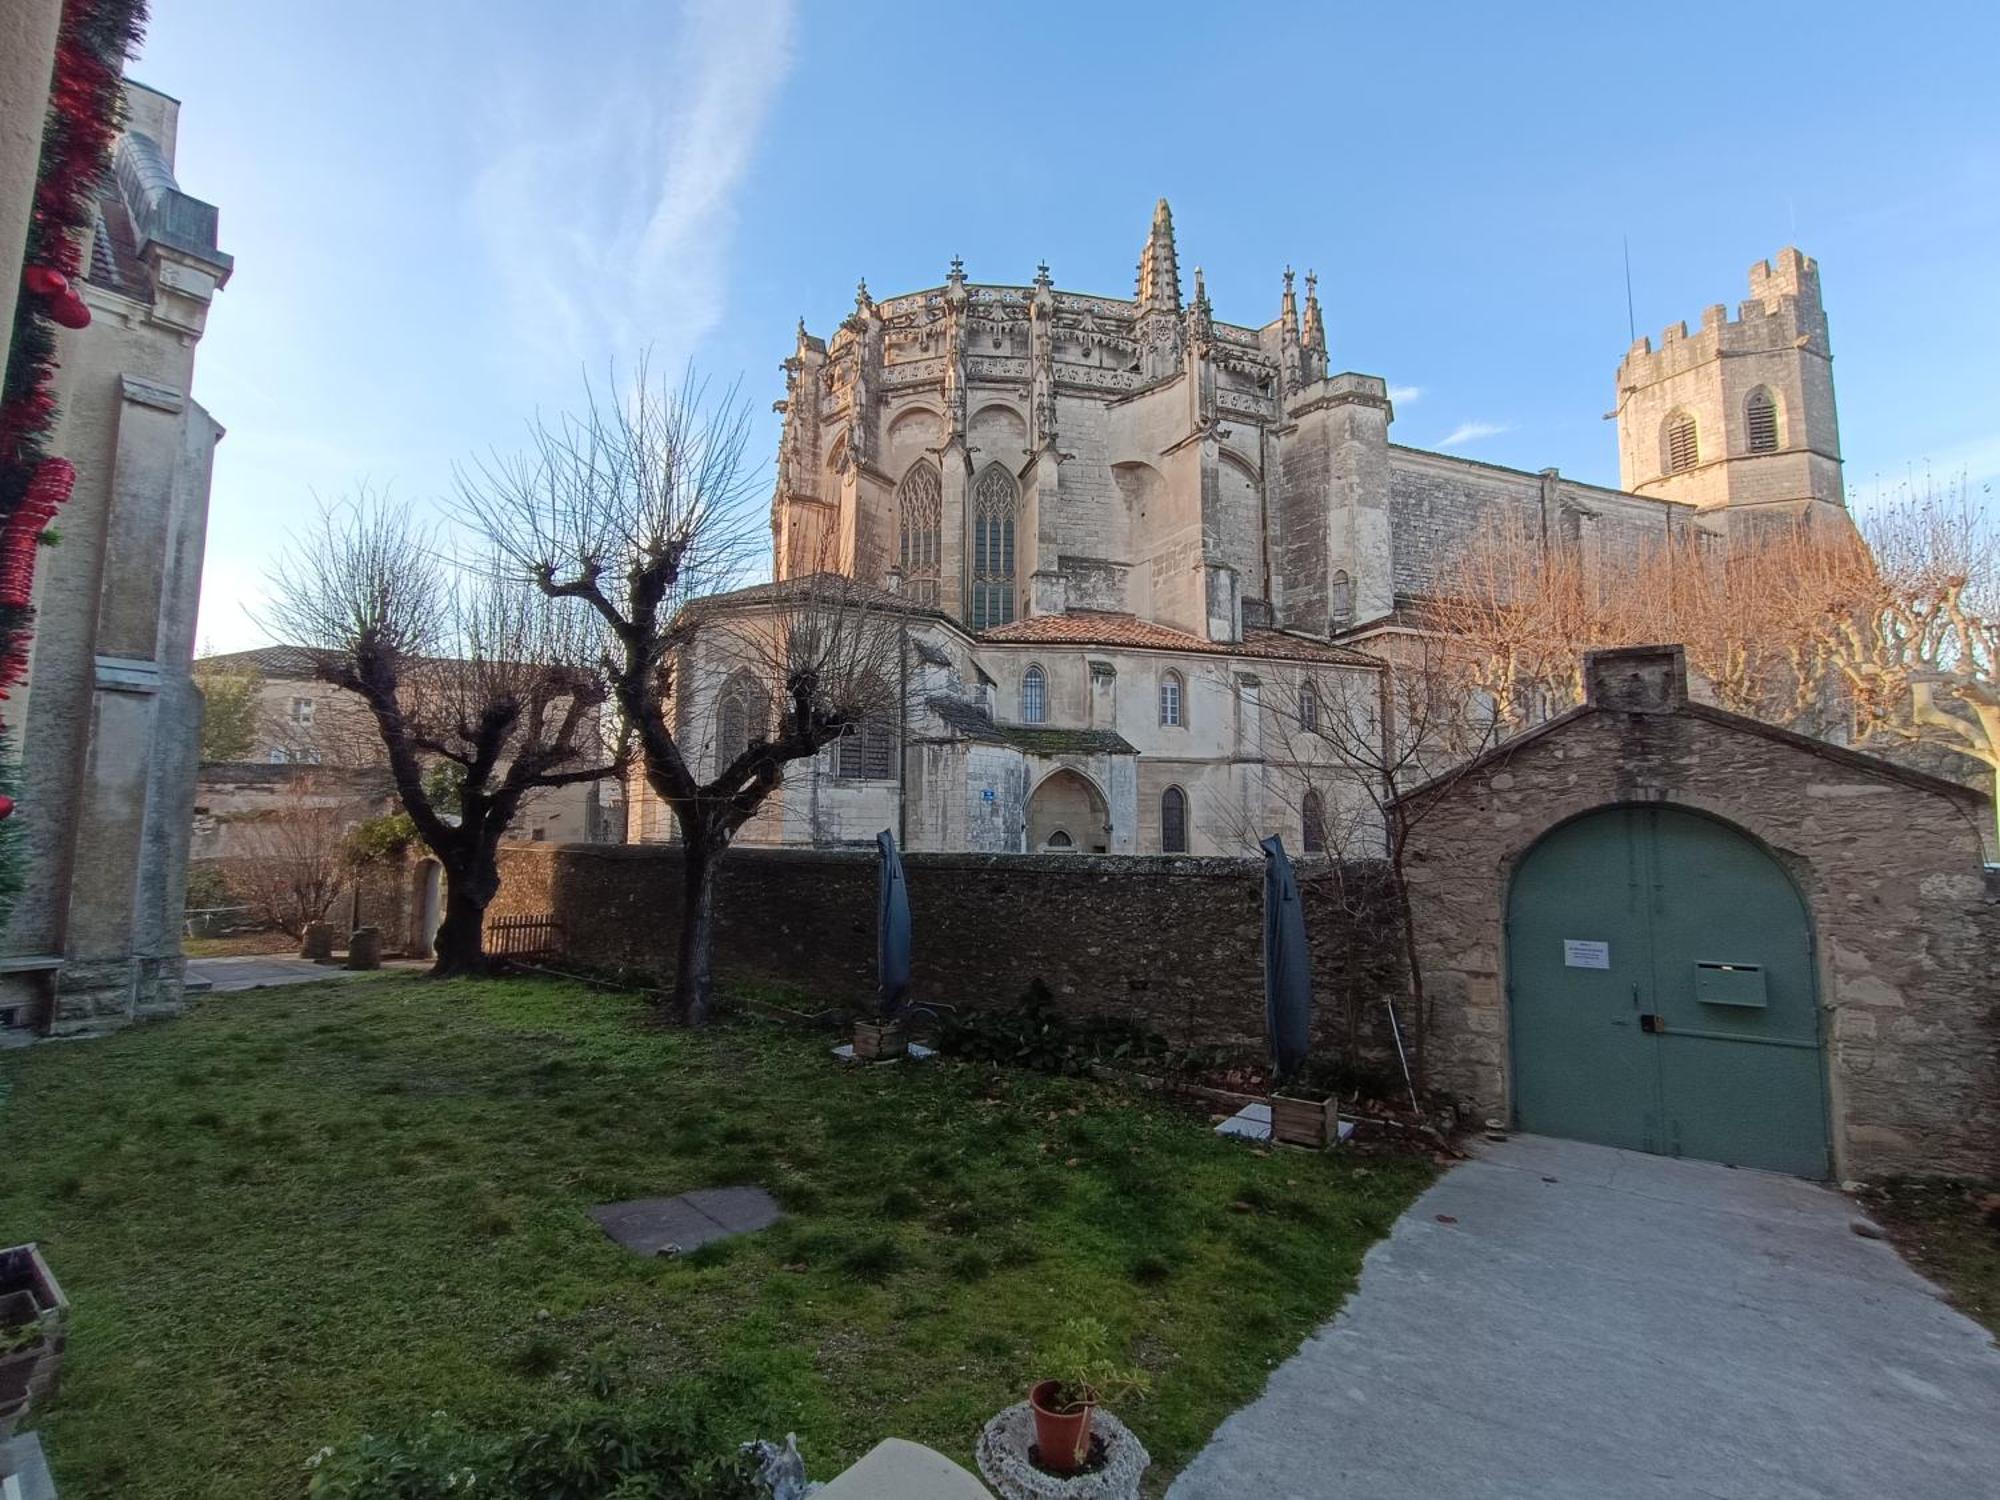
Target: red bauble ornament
[
  {"x": 68, "y": 310},
  {"x": 6, "y": 806},
  {"x": 45, "y": 281}
]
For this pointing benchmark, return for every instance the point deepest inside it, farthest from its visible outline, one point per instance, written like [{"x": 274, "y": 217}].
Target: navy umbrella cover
[
  {"x": 892, "y": 940},
  {"x": 1287, "y": 965}
]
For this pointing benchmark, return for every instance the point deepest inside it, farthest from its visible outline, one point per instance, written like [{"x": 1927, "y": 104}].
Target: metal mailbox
[{"x": 1729, "y": 984}]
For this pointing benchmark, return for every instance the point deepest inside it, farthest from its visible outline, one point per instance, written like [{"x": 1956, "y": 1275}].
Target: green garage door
[{"x": 1661, "y": 994}]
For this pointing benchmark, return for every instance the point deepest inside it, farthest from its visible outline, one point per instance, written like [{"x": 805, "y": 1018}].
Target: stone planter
[
  {"x": 29, "y": 1298},
  {"x": 364, "y": 948},
  {"x": 317, "y": 946},
  {"x": 878, "y": 1041},
  {"x": 1003, "y": 1458},
  {"x": 1312, "y": 1123}
]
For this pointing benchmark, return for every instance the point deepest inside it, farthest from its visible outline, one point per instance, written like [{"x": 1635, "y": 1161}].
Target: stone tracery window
[
  {"x": 1681, "y": 443},
  {"x": 1762, "y": 414},
  {"x": 995, "y": 500},
  {"x": 1173, "y": 821},
  {"x": 740, "y": 716},
  {"x": 920, "y": 521}
]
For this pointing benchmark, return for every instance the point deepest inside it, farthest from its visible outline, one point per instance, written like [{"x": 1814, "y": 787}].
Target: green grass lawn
[{"x": 300, "y": 1214}]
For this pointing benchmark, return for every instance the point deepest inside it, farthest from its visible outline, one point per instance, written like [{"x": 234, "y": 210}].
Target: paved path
[
  {"x": 220, "y": 975},
  {"x": 1638, "y": 1328}
]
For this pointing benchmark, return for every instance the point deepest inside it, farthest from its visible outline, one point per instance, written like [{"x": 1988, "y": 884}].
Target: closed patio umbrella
[
  {"x": 1287, "y": 965},
  {"x": 892, "y": 945}
]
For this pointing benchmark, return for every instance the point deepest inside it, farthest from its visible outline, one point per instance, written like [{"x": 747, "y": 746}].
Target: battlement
[{"x": 1783, "y": 306}]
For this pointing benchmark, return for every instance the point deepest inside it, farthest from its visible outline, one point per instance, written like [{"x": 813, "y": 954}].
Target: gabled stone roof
[
  {"x": 1091, "y": 628},
  {"x": 1030, "y": 739}
]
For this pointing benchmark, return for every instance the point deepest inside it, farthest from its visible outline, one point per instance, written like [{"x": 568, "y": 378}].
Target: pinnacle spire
[
  {"x": 1159, "y": 269},
  {"x": 1314, "y": 340}
]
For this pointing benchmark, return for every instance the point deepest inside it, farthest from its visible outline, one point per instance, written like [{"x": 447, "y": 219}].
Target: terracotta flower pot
[{"x": 1062, "y": 1437}]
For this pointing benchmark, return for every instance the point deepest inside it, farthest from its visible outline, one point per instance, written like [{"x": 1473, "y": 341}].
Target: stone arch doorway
[
  {"x": 1068, "y": 805},
  {"x": 1662, "y": 992}
]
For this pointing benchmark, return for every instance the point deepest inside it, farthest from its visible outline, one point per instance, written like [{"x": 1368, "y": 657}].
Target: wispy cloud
[
  {"x": 614, "y": 234},
  {"x": 1405, "y": 395},
  {"x": 1472, "y": 432}
]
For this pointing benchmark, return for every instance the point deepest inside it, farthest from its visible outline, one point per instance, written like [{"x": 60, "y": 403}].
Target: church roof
[
  {"x": 975, "y": 723},
  {"x": 1091, "y": 628}
]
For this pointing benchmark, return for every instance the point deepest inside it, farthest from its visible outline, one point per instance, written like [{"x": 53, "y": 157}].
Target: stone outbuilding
[{"x": 1658, "y": 925}]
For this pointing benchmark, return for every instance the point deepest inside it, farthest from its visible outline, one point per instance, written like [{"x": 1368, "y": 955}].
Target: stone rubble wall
[{"x": 1174, "y": 943}]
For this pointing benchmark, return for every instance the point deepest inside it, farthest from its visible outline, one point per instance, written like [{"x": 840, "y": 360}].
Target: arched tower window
[
  {"x": 1173, "y": 700},
  {"x": 739, "y": 718},
  {"x": 1762, "y": 414},
  {"x": 1173, "y": 821},
  {"x": 920, "y": 518},
  {"x": 1680, "y": 445},
  {"x": 1314, "y": 818},
  {"x": 994, "y": 501},
  {"x": 1340, "y": 600},
  {"x": 1034, "y": 696}
]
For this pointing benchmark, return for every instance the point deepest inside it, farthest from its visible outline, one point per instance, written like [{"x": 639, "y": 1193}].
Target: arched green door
[{"x": 1661, "y": 993}]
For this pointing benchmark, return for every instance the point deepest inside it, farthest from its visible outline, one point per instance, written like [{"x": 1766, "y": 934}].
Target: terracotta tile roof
[{"x": 1088, "y": 628}]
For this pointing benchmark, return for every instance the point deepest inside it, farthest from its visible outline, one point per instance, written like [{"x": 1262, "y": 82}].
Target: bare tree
[
  {"x": 288, "y": 860},
  {"x": 455, "y": 666},
  {"x": 640, "y": 509},
  {"x": 1913, "y": 624}
]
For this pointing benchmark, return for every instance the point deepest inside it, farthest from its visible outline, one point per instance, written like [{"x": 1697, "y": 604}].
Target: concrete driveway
[{"x": 1557, "y": 1320}]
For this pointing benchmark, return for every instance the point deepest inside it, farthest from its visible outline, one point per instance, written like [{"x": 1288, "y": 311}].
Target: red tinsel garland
[{"x": 93, "y": 40}]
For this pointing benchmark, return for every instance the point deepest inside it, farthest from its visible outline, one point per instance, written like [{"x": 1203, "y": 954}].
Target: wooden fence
[{"x": 537, "y": 935}]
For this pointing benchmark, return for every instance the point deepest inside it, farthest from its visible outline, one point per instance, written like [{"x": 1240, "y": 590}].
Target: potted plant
[
  {"x": 33, "y": 1311},
  {"x": 1083, "y": 1376}
]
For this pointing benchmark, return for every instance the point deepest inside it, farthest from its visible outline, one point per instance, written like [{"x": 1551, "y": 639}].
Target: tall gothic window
[
  {"x": 1314, "y": 819},
  {"x": 1173, "y": 821},
  {"x": 920, "y": 515},
  {"x": 1683, "y": 447},
  {"x": 994, "y": 501},
  {"x": 739, "y": 718},
  {"x": 1763, "y": 420},
  {"x": 1173, "y": 692},
  {"x": 1034, "y": 697}
]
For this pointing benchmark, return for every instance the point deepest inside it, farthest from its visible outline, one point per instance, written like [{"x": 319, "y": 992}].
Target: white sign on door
[{"x": 1579, "y": 954}]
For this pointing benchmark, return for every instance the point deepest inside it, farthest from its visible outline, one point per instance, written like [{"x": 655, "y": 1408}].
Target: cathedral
[{"x": 1136, "y": 546}]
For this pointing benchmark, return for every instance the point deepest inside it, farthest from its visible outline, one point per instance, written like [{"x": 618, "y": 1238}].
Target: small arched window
[
  {"x": 1034, "y": 697},
  {"x": 920, "y": 516},
  {"x": 1681, "y": 443},
  {"x": 1762, "y": 414},
  {"x": 1173, "y": 706},
  {"x": 994, "y": 499},
  {"x": 1314, "y": 817},
  {"x": 1340, "y": 600},
  {"x": 1061, "y": 841},
  {"x": 1173, "y": 821},
  {"x": 1308, "y": 708}
]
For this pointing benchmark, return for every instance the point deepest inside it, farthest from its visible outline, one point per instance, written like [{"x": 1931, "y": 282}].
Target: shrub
[{"x": 1034, "y": 1034}]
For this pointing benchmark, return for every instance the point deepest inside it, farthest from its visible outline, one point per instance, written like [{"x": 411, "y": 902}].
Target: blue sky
[{"x": 444, "y": 214}]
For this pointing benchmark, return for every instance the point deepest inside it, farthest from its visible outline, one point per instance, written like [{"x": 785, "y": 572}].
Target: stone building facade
[
  {"x": 108, "y": 715},
  {"x": 1117, "y": 494},
  {"x": 302, "y": 720},
  {"x": 1905, "y": 917}
]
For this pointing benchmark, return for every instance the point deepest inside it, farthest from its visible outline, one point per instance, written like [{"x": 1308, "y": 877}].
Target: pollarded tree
[
  {"x": 641, "y": 511},
  {"x": 457, "y": 667}
]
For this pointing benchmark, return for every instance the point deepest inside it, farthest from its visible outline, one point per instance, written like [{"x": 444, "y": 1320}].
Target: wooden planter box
[
  {"x": 1303, "y": 1122},
  {"x": 28, "y": 1292},
  {"x": 878, "y": 1041}
]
